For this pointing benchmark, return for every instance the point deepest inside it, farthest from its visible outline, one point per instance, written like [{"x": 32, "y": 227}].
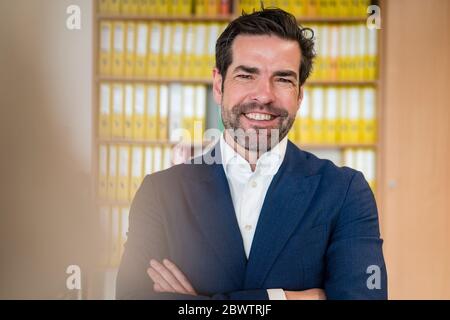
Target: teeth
[{"x": 259, "y": 116}]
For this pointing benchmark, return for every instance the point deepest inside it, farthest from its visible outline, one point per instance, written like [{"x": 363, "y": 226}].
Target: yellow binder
[
  {"x": 114, "y": 6},
  {"x": 200, "y": 8},
  {"x": 369, "y": 116},
  {"x": 188, "y": 51},
  {"x": 137, "y": 167},
  {"x": 304, "y": 126},
  {"x": 104, "y": 125},
  {"x": 361, "y": 52},
  {"x": 343, "y": 57},
  {"x": 331, "y": 111},
  {"x": 128, "y": 111},
  {"x": 154, "y": 54},
  {"x": 157, "y": 159},
  {"x": 175, "y": 112},
  {"x": 212, "y": 7},
  {"x": 139, "y": 112},
  {"x": 167, "y": 157},
  {"x": 372, "y": 48},
  {"x": 209, "y": 60},
  {"x": 141, "y": 50},
  {"x": 354, "y": 116},
  {"x": 151, "y": 129},
  {"x": 163, "y": 8},
  {"x": 352, "y": 52},
  {"x": 343, "y": 122},
  {"x": 103, "y": 6},
  {"x": 333, "y": 59},
  {"x": 118, "y": 66},
  {"x": 312, "y": 8},
  {"x": 117, "y": 110},
  {"x": 163, "y": 112},
  {"x": 105, "y": 63},
  {"x": 166, "y": 50},
  {"x": 298, "y": 8},
  {"x": 176, "y": 51},
  {"x": 200, "y": 50},
  {"x": 185, "y": 7},
  {"x": 123, "y": 181},
  {"x": 317, "y": 115},
  {"x": 148, "y": 160},
  {"x": 199, "y": 116},
  {"x": 130, "y": 49},
  {"x": 188, "y": 98}
]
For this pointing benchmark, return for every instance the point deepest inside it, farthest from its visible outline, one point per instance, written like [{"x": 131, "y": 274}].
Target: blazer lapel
[
  {"x": 287, "y": 199},
  {"x": 210, "y": 201}
]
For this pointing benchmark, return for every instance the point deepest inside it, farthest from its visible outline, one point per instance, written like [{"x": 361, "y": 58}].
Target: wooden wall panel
[{"x": 415, "y": 133}]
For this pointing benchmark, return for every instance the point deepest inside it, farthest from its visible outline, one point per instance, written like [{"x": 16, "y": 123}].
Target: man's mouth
[{"x": 256, "y": 116}]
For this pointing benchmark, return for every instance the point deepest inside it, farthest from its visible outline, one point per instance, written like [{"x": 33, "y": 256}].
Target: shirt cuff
[{"x": 276, "y": 294}]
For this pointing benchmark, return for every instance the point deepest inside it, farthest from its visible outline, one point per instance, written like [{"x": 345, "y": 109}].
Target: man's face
[{"x": 261, "y": 90}]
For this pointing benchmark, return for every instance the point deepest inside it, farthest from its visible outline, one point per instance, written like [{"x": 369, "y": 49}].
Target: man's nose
[{"x": 263, "y": 92}]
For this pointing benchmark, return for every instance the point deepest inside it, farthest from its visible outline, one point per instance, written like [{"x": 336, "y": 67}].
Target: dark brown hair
[{"x": 267, "y": 21}]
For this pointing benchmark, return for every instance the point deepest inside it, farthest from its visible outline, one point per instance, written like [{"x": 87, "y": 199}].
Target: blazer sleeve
[
  {"x": 147, "y": 239},
  {"x": 355, "y": 267}
]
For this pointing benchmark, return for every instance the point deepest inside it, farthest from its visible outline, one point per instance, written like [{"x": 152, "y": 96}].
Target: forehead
[{"x": 267, "y": 51}]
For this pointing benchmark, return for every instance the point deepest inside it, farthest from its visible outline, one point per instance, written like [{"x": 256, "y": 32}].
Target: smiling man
[{"x": 264, "y": 220}]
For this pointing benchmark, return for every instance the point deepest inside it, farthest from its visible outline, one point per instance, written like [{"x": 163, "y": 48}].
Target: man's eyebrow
[{"x": 251, "y": 70}]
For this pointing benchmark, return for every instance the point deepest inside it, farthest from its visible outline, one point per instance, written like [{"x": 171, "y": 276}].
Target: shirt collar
[{"x": 267, "y": 164}]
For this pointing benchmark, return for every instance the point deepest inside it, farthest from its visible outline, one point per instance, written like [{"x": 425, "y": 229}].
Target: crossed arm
[
  {"x": 167, "y": 277},
  {"x": 354, "y": 245}
]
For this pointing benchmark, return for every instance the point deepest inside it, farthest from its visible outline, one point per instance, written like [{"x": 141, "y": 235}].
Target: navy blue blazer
[{"x": 318, "y": 228}]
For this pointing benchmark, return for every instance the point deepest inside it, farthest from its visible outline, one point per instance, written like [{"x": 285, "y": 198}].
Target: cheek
[
  {"x": 290, "y": 104},
  {"x": 232, "y": 96}
]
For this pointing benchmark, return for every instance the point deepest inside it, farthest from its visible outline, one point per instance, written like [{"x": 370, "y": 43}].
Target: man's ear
[
  {"x": 300, "y": 95},
  {"x": 217, "y": 86}
]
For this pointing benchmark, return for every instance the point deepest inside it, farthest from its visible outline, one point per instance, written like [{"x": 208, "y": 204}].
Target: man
[{"x": 255, "y": 217}]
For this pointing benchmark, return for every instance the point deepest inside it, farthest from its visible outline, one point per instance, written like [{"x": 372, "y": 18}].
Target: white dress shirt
[{"x": 248, "y": 190}]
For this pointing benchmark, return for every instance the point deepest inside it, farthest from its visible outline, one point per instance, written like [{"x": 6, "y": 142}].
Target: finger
[
  {"x": 159, "y": 280},
  {"x": 168, "y": 276},
  {"x": 179, "y": 275}
]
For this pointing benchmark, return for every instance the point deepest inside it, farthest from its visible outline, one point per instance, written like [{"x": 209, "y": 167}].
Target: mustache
[{"x": 254, "y": 106}]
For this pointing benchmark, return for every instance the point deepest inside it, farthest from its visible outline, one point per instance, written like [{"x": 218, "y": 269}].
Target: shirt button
[
  {"x": 248, "y": 227},
  {"x": 254, "y": 184}
]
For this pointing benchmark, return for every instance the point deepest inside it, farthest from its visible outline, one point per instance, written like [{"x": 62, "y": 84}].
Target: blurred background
[{"x": 92, "y": 94}]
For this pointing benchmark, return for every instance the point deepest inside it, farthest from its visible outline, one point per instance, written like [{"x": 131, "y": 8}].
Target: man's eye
[
  {"x": 285, "y": 80},
  {"x": 244, "y": 76}
]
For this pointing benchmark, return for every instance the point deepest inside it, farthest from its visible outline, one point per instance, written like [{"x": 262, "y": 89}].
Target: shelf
[
  {"x": 147, "y": 142},
  {"x": 209, "y": 81},
  {"x": 154, "y": 80},
  {"x": 137, "y": 17},
  {"x": 307, "y": 146},
  {"x": 198, "y": 145},
  {"x": 220, "y": 18}
]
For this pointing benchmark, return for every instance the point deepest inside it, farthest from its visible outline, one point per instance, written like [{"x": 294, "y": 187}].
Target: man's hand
[
  {"x": 311, "y": 294},
  {"x": 168, "y": 278}
]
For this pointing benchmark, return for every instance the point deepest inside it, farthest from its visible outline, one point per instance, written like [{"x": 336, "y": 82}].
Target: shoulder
[{"x": 311, "y": 165}]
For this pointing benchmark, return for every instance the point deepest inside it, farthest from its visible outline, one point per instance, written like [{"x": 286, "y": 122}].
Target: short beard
[{"x": 256, "y": 139}]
